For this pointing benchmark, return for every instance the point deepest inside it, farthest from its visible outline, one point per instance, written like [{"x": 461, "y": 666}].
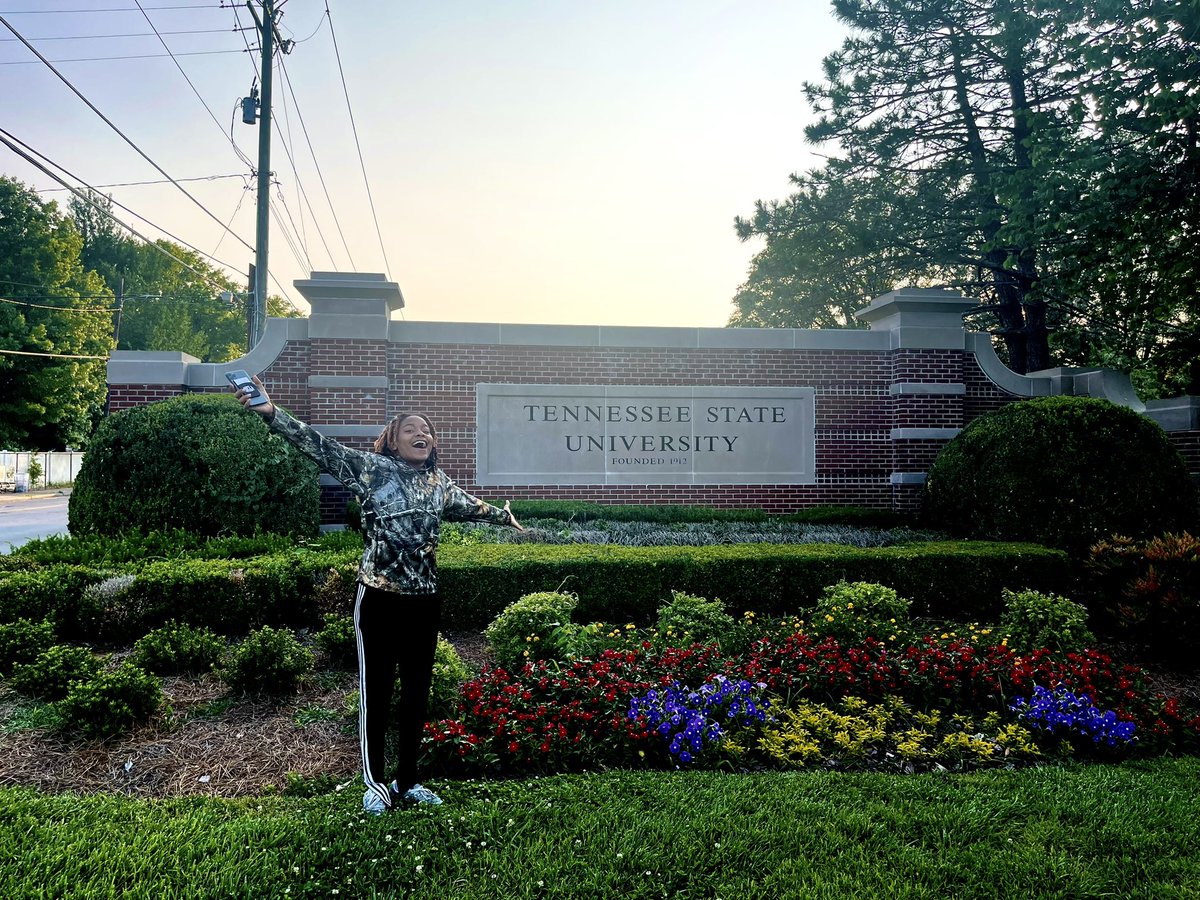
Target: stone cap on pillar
[
  {"x": 350, "y": 304},
  {"x": 920, "y": 318}
]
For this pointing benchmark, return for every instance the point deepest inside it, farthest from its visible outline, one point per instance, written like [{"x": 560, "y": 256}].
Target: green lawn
[{"x": 1130, "y": 830}]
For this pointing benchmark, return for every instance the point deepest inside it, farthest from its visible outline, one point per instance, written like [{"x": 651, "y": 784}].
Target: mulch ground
[{"x": 209, "y": 744}]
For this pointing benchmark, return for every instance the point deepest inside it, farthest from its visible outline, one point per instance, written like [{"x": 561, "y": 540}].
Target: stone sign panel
[{"x": 652, "y": 434}]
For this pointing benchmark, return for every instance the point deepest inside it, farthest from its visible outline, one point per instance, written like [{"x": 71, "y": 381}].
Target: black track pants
[{"x": 397, "y": 636}]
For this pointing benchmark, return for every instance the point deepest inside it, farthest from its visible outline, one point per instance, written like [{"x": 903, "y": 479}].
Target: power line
[
  {"x": 96, "y": 37},
  {"x": 237, "y": 150},
  {"x": 141, "y": 183},
  {"x": 4, "y": 139},
  {"x": 60, "y": 308},
  {"x": 304, "y": 129},
  {"x": 300, "y": 184},
  {"x": 109, "y": 122},
  {"x": 10, "y": 137},
  {"x": 35, "y": 12},
  {"x": 295, "y": 230},
  {"x": 76, "y": 59},
  {"x": 54, "y": 355},
  {"x": 354, "y": 131}
]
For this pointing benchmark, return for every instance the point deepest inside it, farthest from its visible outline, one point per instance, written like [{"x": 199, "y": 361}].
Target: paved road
[{"x": 24, "y": 517}]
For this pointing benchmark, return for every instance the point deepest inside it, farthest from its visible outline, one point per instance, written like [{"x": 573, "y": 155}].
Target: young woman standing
[{"x": 404, "y": 497}]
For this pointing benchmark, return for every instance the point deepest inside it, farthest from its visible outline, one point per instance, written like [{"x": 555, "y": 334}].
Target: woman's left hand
[{"x": 515, "y": 524}]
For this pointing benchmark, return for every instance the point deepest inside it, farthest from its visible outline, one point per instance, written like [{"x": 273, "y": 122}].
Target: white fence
[{"x": 58, "y": 468}]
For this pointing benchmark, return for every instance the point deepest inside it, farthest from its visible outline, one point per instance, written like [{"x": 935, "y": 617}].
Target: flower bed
[{"x": 796, "y": 698}]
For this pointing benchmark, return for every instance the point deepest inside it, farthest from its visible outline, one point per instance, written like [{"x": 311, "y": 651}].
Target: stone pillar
[
  {"x": 927, "y": 344},
  {"x": 347, "y": 384}
]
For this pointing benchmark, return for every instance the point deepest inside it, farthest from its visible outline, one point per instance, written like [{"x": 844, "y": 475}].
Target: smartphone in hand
[{"x": 240, "y": 379}]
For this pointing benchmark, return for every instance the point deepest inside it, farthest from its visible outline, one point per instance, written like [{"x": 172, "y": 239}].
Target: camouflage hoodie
[{"x": 402, "y": 507}]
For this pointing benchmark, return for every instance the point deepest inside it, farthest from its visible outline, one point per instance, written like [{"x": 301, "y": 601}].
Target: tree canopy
[
  {"x": 73, "y": 286},
  {"x": 1041, "y": 155},
  {"x": 54, "y": 314}
]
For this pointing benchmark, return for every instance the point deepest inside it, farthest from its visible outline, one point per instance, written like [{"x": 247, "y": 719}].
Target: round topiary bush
[
  {"x": 197, "y": 462},
  {"x": 1061, "y": 471}
]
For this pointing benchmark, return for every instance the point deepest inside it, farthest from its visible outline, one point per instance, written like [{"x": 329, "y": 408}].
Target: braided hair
[{"x": 388, "y": 441}]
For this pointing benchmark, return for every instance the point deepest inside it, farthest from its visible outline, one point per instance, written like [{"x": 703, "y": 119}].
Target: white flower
[{"x": 420, "y": 868}]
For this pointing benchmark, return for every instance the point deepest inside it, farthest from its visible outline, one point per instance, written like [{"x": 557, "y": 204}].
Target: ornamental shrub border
[{"x": 959, "y": 580}]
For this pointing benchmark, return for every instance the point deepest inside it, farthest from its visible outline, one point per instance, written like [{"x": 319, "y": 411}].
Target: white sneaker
[
  {"x": 373, "y": 805},
  {"x": 417, "y": 795}
]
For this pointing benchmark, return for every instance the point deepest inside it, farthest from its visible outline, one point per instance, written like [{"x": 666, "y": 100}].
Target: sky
[{"x": 529, "y": 161}]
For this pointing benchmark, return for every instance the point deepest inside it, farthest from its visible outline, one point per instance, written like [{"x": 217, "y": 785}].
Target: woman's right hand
[{"x": 266, "y": 410}]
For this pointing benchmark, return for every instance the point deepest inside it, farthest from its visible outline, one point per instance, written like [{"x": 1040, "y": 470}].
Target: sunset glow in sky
[{"x": 534, "y": 162}]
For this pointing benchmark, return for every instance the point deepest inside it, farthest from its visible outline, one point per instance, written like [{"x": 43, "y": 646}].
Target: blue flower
[
  {"x": 691, "y": 718},
  {"x": 1063, "y": 713}
]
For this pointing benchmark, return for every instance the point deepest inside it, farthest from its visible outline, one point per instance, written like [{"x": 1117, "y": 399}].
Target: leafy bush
[
  {"x": 1062, "y": 471},
  {"x": 51, "y": 675},
  {"x": 197, "y": 462},
  {"x": 1150, "y": 590},
  {"x": 111, "y": 702},
  {"x": 339, "y": 641},
  {"x": 268, "y": 661},
  {"x": 853, "y": 611},
  {"x": 1033, "y": 620},
  {"x": 178, "y": 648},
  {"x": 56, "y": 592},
  {"x": 687, "y": 619},
  {"x": 22, "y": 641},
  {"x": 537, "y": 626},
  {"x": 449, "y": 674}
]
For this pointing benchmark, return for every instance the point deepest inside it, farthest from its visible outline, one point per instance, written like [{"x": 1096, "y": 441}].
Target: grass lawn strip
[{"x": 1053, "y": 832}]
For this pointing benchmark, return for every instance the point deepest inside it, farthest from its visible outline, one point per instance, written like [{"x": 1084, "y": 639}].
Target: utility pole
[{"x": 258, "y": 107}]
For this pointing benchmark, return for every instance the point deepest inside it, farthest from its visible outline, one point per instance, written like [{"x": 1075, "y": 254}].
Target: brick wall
[{"x": 885, "y": 401}]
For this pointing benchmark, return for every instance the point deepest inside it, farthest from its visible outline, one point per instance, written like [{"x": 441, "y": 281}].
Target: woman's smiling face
[{"x": 416, "y": 440}]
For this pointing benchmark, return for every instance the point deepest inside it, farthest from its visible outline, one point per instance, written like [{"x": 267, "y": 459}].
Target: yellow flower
[{"x": 828, "y": 618}]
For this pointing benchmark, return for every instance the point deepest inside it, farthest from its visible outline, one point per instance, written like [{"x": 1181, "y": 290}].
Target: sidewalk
[{"x": 9, "y": 497}]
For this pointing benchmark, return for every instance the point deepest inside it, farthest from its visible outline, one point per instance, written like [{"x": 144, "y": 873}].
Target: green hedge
[
  {"x": 958, "y": 580},
  {"x": 953, "y": 579}
]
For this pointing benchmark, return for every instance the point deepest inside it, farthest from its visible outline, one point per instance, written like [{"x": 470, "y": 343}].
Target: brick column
[
  {"x": 927, "y": 349},
  {"x": 347, "y": 385}
]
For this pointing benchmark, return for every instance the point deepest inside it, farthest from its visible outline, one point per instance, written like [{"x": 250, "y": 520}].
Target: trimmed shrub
[
  {"x": 22, "y": 641},
  {"x": 1061, "y": 471},
  {"x": 178, "y": 648},
  {"x": 51, "y": 675},
  {"x": 268, "y": 661},
  {"x": 1033, "y": 620},
  {"x": 56, "y": 592},
  {"x": 117, "y": 550},
  {"x": 112, "y": 702},
  {"x": 197, "y": 462},
  {"x": 693, "y": 619},
  {"x": 339, "y": 641},
  {"x": 854, "y": 611},
  {"x": 537, "y": 626}
]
